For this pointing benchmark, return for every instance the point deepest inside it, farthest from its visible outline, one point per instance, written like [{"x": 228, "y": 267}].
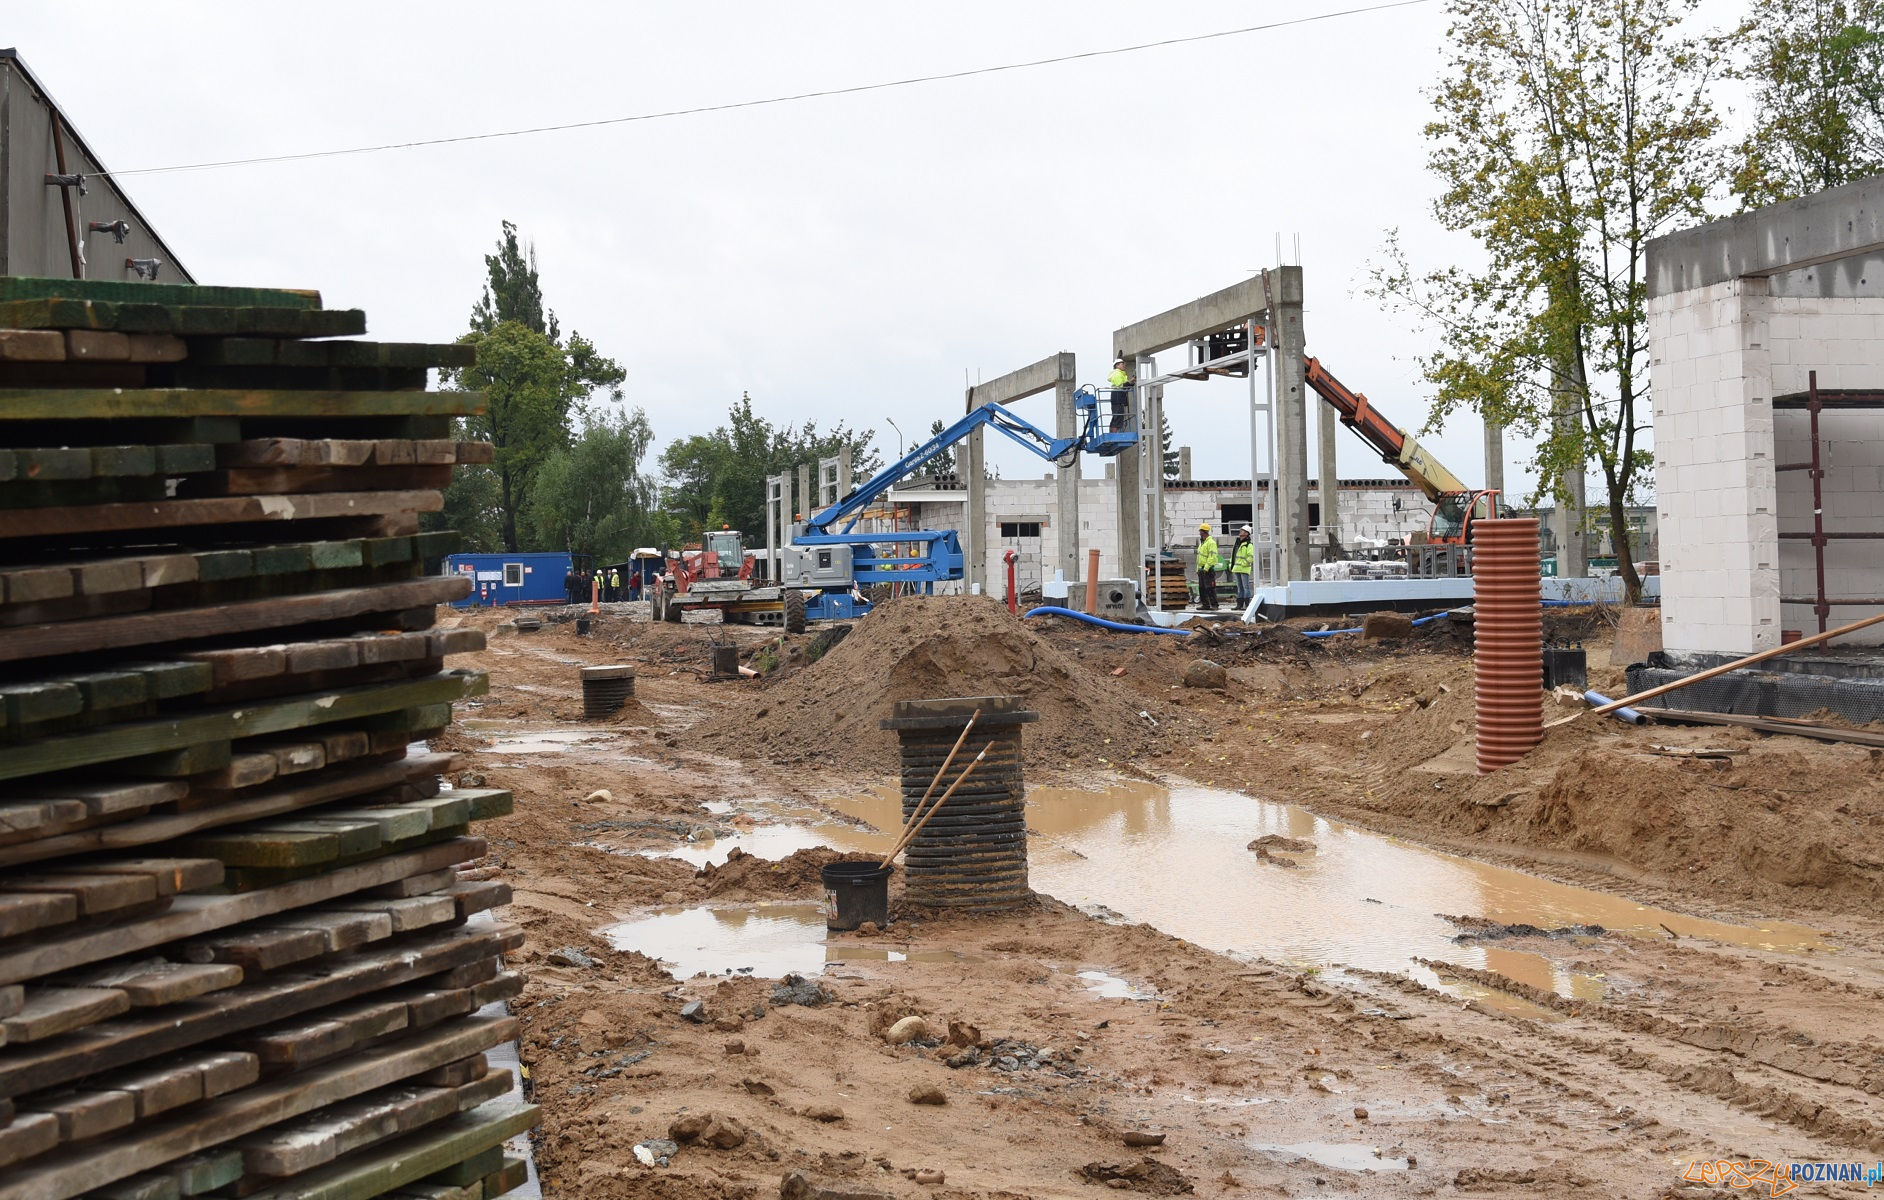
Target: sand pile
[{"x": 925, "y": 647}]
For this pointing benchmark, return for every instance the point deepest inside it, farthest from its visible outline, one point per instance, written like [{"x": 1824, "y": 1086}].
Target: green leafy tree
[
  {"x": 719, "y": 478},
  {"x": 1565, "y": 136},
  {"x": 1816, "y": 70},
  {"x": 594, "y": 498},
  {"x": 535, "y": 385},
  {"x": 1168, "y": 453},
  {"x": 471, "y": 507}
]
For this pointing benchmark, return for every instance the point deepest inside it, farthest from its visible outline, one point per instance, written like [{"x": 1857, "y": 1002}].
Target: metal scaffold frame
[{"x": 1814, "y": 402}]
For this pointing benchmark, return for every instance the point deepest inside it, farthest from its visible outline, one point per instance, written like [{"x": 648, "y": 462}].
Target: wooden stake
[
  {"x": 940, "y": 772},
  {"x": 1749, "y": 660},
  {"x": 915, "y": 829}
]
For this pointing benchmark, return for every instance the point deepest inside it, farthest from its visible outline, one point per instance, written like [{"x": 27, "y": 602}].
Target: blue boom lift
[{"x": 826, "y": 563}]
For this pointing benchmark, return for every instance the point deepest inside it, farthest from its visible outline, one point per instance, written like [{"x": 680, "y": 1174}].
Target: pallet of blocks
[{"x": 236, "y": 955}]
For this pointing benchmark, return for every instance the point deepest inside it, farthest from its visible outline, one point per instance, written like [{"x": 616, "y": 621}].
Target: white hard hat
[{"x": 1244, "y": 529}]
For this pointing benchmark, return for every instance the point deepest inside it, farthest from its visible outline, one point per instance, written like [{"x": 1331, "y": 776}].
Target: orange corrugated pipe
[{"x": 1507, "y": 640}]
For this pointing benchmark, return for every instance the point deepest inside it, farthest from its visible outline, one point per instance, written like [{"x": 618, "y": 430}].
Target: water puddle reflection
[
  {"x": 1342, "y": 1156},
  {"x": 768, "y": 941},
  {"x": 1178, "y": 859}
]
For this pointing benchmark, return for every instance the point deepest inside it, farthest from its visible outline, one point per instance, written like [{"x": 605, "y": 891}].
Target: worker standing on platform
[
  {"x": 1121, "y": 384},
  {"x": 1208, "y": 560},
  {"x": 1243, "y": 567}
]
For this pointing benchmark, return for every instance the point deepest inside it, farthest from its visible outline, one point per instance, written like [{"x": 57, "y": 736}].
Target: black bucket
[{"x": 856, "y": 892}]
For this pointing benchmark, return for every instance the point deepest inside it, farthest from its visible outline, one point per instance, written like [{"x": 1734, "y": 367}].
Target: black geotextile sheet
[{"x": 1757, "y": 692}]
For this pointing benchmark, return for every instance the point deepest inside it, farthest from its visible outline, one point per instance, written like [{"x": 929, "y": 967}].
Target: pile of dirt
[
  {"x": 1769, "y": 818},
  {"x": 747, "y": 877},
  {"x": 928, "y": 647}
]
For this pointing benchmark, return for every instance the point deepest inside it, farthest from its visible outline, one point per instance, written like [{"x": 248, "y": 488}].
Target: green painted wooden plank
[
  {"x": 107, "y": 689},
  {"x": 177, "y": 764},
  {"x": 27, "y": 703},
  {"x": 330, "y": 556},
  {"x": 275, "y": 849},
  {"x": 489, "y": 803},
  {"x": 28, "y": 287},
  {"x": 166, "y": 734},
  {"x": 470, "y": 1170},
  {"x": 214, "y": 566},
  {"x": 124, "y": 460},
  {"x": 43, "y": 465},
  {"x": 39, "y": 404},
  {"x": 186, "y": 459},
  {"x": 413, "y": 1157},
  {"x": 168, "y": 680},
  {"x": 380, "y": 551},
  {"x": 283, "y": 559}
]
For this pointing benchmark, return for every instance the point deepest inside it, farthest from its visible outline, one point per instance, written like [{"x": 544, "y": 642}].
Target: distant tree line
[{"x": 571, "y": 467}]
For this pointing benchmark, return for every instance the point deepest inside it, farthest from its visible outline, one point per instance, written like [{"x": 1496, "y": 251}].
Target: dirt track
[{"x": 1471, "y": 1078}]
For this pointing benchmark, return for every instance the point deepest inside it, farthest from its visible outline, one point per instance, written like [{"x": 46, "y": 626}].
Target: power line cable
[{"x": 738, "y": 104}]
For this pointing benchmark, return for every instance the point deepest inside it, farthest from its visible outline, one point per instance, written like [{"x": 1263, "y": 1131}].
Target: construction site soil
[{"x": 1061, "y": 1037}]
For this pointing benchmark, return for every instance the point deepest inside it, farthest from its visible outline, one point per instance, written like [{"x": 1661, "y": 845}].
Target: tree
[
  {"x": 593, "y": 498},
  {"x": 1168, "y": 455},
  {"x": 719, "y": 478},
  {"x": 534, "y": 385},
  {"x": 943, "y": 463},
  {"x": 1565, "y": 137},
  {"x": 1816, "y": 69}
]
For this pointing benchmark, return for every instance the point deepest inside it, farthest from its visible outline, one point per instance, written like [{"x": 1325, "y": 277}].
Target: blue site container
[{"x": 511, "y": 578}]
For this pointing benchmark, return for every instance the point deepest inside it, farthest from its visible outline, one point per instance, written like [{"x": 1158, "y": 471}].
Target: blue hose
[
  {"x": 1051, "y": 610},
  {"x": 1631, "y": 715}
]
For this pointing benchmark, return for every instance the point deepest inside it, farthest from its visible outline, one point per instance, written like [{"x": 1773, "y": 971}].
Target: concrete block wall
[{"x": 1719, "y": 354}]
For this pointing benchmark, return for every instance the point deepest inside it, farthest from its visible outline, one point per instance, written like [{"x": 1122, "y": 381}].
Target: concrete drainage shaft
[{"x": 973, "y": 853}]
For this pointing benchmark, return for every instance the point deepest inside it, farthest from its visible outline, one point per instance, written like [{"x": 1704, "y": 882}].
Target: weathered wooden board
[
  {"x": 283, "y": 481},
  {"x": 195, "y": 916},
  {"x": 223, "y": 510},
  {"x": 186, "y": 320},
  {"x": 413, "y": 1157},
  {"x": 137, "y": 739},
  {"x": 334, "y": 784},
  {"x": 65, "y": 1173},
  {"x": 133, "y": 1039},
  {"x": 183, "y": 624},
  {"x": 32, "y": 287},
  {"x": 50, "y": 1011},
  {"x": 67, "y": 404}
]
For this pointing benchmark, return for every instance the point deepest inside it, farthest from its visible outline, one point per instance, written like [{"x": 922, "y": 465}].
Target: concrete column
[
  {"x": 975, "y": 514},
  {"x": 1154, "y": 397},
  {"x": 1566, "y": 522},
  {"x": 1327, "y": 475},
  {"x": 1285, "y": 299},
  {"x": 1184, "y": 464},
  {"x": 1495, "y": 459},
  {"x": 1131, "y": 551},
  {"x": 1066, "y": 511},
  {"x": 807, "y": 503}
]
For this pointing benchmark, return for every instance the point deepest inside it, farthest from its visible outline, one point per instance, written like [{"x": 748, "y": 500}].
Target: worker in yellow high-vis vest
[
  {"x": 1208, "y": 562},
  {"x": 1243, "y": 567}
]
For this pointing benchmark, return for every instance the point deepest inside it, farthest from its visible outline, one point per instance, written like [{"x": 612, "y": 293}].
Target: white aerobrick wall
[{"x": 1720, "y": 354}]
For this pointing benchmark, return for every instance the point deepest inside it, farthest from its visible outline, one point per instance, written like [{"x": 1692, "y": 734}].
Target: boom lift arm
[
  {"x": 1455, "y": 506},
  {"x": 1058, "y": 451}
]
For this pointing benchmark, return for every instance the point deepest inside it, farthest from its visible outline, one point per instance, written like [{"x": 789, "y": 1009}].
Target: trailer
[{"x": 506, "y": 579}]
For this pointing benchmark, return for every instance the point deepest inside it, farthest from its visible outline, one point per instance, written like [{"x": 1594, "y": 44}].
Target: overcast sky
[{"x": 853, "y": 257}]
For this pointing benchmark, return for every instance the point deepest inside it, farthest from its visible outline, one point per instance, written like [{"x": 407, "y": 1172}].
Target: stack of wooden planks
[{"x": 236, "y": 958}]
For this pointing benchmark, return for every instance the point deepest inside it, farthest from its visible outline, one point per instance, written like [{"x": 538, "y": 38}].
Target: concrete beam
[
  {"x": 1030, "y": 380},
  {"x": 1210, "y": 314},
  {"x": 1844, "y": 222},
  {"x": 1057, "y": 373}
]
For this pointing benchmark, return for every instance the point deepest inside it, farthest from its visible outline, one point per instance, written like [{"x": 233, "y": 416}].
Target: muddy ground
[{"x": 1457, "y": 1073}]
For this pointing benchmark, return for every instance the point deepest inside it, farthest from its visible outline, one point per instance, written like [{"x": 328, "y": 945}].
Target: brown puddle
[
  {"x": 764, "y": 940},
  {"x": 1178, "y": 860}
]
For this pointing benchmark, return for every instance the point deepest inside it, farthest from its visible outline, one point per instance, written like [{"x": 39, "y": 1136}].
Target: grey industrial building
[{"x": 61, "y": 214}]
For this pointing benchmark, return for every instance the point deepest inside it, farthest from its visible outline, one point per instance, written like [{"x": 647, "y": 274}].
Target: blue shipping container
[{"x": 510, "y": 578}]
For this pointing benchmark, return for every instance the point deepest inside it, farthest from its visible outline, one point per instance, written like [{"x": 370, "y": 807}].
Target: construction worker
[
  {"x": 614, "y": 584},
  {"x": 1243, "y": 567},
  {"x": 1121, "y": 384},
  {"x": 1208, "y": 560}
]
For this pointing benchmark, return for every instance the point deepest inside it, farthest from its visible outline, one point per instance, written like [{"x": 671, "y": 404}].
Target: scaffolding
[{"x": 1814, "y": 402}]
